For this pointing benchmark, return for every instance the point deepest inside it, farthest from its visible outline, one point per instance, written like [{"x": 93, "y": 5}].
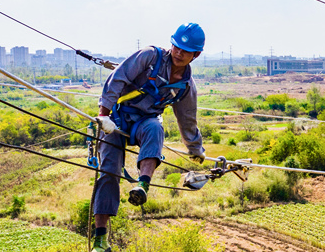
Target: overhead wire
[
  {"x": 85, "y": 166},
  {"x": 84, "y": 134},
  {"x": 37, "y": 31},
  {"x": 321, "y": 1},
  {"x": 48, "y": 140}
]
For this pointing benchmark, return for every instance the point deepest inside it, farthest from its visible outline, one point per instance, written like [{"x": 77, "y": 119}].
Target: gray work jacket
[{"x": 133, "y": 72}]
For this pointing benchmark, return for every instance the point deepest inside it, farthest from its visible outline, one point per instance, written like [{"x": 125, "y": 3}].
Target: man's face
[{"x": 180, "y": 57}]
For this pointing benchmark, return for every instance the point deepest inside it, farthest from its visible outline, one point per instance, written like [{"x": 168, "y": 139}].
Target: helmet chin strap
[{"x": 194, "y": 57}]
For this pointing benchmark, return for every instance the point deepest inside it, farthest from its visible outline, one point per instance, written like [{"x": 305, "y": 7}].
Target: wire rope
[
  {"x": 84, "y": 134},
  {"x": 87, "y": 167},
  {"x": 37, "y": 30}
]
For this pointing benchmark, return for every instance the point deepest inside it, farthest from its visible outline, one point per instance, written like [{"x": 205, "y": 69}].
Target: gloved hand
[
  {"x": 198, "y": 158},
  {"x": 108, "y": 125}
]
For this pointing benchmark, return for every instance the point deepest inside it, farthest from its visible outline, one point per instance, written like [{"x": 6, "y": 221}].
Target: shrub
[
  {"x": 216, "y": 137},
  {"x": 292, "y": 108},
  {"x": 231, "y": 141},
  {"x": 311, "y": 151},
  {"x": 277, "y": 101},
  {"x": 245, "y": 136},
  {"x": 121, "y": 227},
  {"x": 17, "y": 207},
  {"x": 179, "y": 238},
  {"x": 173, "y": 179},
  {"x": 284, "y": 147},
  {"x": 80, "y": 216},
  {"x": 244, "y": 105},
  {"x": 207, "y": 130}
]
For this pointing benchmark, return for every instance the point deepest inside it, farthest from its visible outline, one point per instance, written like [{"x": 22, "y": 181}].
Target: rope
[
  {"x": 84, "y": 134},
  {"x": 97, "y": 61},
  {"x": 49, "y": 140},
  {"x": 88, "y": 167},
  {"x": 321, "y": 1},
  {"x": 90, "y": 215},
  {"x": 37, "y": 30}
]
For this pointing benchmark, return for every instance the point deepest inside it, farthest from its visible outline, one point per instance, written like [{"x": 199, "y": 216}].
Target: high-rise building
[
  {"x": 2, "y": 56},
  {"x": 58, "y": 55},
  {"x": 21, "y": 56},
  {"x": 41, "y": 52}
]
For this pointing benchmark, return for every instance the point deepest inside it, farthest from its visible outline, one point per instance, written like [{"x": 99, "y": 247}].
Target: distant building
[
  {"x": 21, "y": 56},
  {"x": 58, "y": 55},
  {"x": 38, "y": 60},
  {"x": 280, "y": 66},
  {"x": 41, "y": 52},
  {"x": 2, "y": 56}
]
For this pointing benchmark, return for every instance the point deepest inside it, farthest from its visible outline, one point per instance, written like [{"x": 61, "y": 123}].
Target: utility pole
[
  {"x": 230, "y": 61},
  {"x": 222, "y": 58},
  {"x": 76, "y": 68},
  {"x": 271, "y": 51},
  {"x": 100, "y": 76},
  {"x": 138, "y": 44},
  {"x": 34, "y": 76}
]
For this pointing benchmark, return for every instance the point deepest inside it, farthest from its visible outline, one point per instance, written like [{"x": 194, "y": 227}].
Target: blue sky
[{"x": 112, "y": 27}]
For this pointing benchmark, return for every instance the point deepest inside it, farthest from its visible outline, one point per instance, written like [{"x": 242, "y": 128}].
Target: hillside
[{"x": 37, "y": 193}]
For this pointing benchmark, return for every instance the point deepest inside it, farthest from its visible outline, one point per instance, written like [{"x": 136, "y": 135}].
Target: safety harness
[{"x": 120, "y": 109}]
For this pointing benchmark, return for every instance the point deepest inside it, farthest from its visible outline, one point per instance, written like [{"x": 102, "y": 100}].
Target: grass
[
  {"x": 22, "y": 236},
  {"x": 301, "y": 221},
  {"x": 52, "y": 189}
]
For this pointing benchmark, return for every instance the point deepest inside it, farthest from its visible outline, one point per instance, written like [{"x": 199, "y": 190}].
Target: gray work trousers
[{"x": 150, "y": 137}]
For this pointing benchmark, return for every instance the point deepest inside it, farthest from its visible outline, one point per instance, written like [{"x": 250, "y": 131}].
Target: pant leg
[
  {"x": 107, "y": 197},
  {"x": 150, "y": 136}
]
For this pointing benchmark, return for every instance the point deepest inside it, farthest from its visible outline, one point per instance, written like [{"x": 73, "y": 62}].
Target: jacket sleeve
[
  {"x": 125, "y": 74},
  {"x": 185, "y": 112}
]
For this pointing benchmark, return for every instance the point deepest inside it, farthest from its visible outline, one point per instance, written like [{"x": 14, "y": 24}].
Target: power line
[{"x": 87, "y": 167}]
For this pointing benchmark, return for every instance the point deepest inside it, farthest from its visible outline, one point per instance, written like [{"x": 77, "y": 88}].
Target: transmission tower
[
  {"x": 271, "y": 51},
  {"x": 230, "y": 61}
]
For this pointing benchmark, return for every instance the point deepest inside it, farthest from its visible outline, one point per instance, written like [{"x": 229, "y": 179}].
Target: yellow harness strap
[{"x": 129, "y": 96}]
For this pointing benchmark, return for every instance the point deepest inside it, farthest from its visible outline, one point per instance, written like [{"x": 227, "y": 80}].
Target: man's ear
[{"x": 196, "y": 54}]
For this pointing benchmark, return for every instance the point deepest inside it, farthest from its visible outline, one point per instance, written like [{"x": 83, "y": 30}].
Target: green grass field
[
  {"x": 302, "y": 221},
  {"x": 22, "y": 236}
]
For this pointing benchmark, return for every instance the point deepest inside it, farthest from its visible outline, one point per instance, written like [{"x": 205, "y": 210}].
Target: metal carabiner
[{"x": 218, "y": 172}]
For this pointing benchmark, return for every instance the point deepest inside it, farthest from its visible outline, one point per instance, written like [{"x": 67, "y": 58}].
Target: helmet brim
[{"x": 183, "y": 47}]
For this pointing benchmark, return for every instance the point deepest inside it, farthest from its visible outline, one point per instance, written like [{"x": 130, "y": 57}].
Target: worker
[{"x": 134, "y": 96}]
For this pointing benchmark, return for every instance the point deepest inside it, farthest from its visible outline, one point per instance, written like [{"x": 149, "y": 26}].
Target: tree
[
  {"x": 314, "y": 96},
  {"x": 277, "y": 101},
  {"x": 284, "y": 147},
  {"x": 292, "y": 108},
  {"x": 67, "y": 70}
]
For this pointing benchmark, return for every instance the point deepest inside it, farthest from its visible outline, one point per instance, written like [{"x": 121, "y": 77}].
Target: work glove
[
  {"x": 198, "y": 158},
  {"x": 108, "y": 125}
]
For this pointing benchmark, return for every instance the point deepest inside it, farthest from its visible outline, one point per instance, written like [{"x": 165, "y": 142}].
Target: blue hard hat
[{"x": 189, "y": 37}]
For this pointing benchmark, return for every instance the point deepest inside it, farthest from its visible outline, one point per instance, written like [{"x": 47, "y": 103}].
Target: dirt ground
[
  {"x": 296, "y": 85},
  {"x": 239, "y": 237},
  {"x": 249, "y": 238}
]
